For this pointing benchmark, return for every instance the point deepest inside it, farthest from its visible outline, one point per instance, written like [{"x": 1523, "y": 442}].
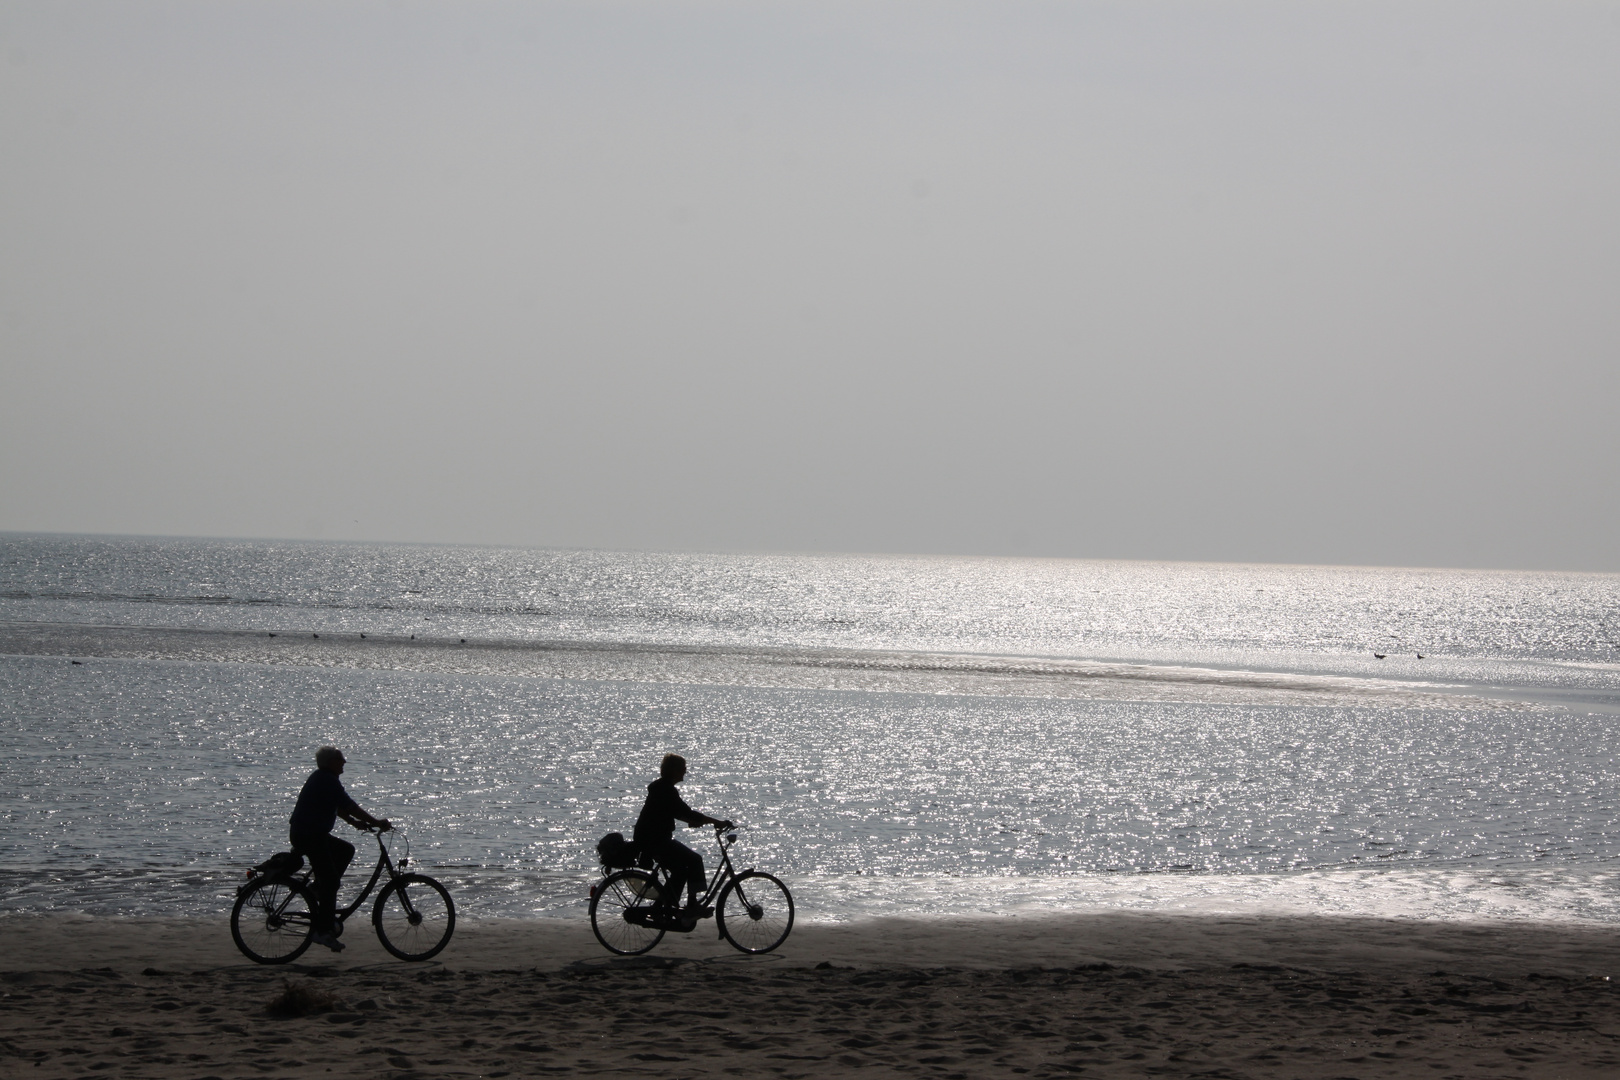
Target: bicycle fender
[{"x": 377, "y": 907}]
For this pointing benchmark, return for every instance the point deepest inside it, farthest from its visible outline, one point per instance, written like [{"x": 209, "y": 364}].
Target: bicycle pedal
[
  {"x": 649, "y": 917},
  {"x": 654, "y": 919}
]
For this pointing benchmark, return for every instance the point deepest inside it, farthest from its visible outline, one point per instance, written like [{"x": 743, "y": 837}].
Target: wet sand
[{"x": 1081, "y": 995}]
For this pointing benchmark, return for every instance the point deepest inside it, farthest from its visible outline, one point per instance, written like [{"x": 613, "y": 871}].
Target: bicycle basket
[
  {"x": 282, "y": 864},
  {"x": 616, "y": 852}
]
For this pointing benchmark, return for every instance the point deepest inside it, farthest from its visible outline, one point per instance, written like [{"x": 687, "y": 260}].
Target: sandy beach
[{"x": 1097, "y": 995}]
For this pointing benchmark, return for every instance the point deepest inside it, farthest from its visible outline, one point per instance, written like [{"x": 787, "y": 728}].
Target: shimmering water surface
[{"x": 900, "y": 735}]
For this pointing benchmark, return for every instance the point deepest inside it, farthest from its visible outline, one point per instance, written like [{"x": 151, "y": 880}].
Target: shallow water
[{"x": 868, "y": 719}]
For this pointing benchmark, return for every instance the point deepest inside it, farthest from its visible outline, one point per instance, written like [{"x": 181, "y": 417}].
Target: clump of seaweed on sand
[{"x": 301, "y": 997}]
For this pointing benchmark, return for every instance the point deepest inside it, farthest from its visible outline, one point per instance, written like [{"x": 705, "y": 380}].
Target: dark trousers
[
  {"x": 685, "y": 867},
  {"x": 328, "y": 858}
]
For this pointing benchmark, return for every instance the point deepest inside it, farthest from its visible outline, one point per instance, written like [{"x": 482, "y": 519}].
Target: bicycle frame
[
  {"x": 384, "y": 862},
  {"x": 722, "y": 876},
  {"x": 633, "y": 907},
  {"x": 272, "y": 921}
]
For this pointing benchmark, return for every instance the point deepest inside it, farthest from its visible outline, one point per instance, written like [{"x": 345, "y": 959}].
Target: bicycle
[
  {"x": 754, "y": 913},
  {"x": 272, "y": 920}
]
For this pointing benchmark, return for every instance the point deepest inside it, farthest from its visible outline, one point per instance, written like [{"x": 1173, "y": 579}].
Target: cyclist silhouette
[
  {"x": 321, "y": 802},
  {"x": 655, "y": 835}
]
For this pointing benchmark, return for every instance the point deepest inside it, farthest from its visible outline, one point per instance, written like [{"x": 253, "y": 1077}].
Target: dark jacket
[
  {"x": 318, "y": 804},
  {"x": 664, "y": 804}
]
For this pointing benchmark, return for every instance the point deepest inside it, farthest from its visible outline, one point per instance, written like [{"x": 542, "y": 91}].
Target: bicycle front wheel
[
  {"x": 414, "y": 917},
  {"x": 271, "y": 921},
  {"x": 755, "y": 912},
  {"x": 620, "y": 910}
]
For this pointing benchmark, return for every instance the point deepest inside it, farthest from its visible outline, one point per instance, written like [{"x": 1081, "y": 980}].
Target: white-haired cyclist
[{"x": 320, "y": 803}]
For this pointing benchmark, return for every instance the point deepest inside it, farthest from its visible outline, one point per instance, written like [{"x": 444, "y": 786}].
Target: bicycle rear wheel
[
  {"x": 272, "y": 920},
  {"x": 414, "y": 917},
  {"x": 755, "y": 912},
  {"x": 620, "y": 910}
]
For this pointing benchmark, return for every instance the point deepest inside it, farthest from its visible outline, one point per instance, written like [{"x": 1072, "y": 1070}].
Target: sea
[{"x": 896, "y": 736}]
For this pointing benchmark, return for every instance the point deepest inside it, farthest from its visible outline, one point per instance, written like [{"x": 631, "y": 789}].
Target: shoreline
[
  {"x": 1091, "y": 995},
  {"x": 1147, "y": 940}
]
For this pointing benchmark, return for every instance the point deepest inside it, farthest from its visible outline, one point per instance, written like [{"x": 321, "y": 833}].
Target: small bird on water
[{"x": 1379, "y": 655}]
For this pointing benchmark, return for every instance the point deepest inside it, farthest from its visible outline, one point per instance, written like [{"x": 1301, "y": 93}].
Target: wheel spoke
[
  {"x": 756, "y": 912},
  {"x": 271, "y": 922},
  {"x": 620, "y": 903},
  {"x": 414, "y": 917}
]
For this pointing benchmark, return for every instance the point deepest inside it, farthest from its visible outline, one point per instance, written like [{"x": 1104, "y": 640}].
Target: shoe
[
  {"x": 695, "y": 911},
  {"x": 658, "y": 916},
  {"x": 322, "y": 937}
]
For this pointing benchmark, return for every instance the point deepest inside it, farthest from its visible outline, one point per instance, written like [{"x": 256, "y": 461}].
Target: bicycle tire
[
  {"x": 271, "y": 920},
  {"x": 755, "y": 912},
  {"x": 418, "y": 923},
  {"x": 612, "y": 905}
]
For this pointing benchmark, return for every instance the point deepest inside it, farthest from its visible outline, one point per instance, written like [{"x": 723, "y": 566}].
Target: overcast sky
[{"x": 1301, "y": 282}]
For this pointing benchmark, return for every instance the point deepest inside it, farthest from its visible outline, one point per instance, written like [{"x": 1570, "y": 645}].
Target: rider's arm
[
  {"x": 697, "y": 820},
  {"x": 691, "y": 816},
  {"x": 362, "y": 820},
  {"x": 350, "y": 811},
  {"x": 694, "y": 818}
]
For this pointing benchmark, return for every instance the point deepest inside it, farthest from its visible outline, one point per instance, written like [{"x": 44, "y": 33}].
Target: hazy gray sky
[{"x": 1303, "y": 282}]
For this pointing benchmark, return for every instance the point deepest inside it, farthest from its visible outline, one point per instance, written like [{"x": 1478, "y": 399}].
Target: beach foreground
[{"x": 1096, "y": 995}]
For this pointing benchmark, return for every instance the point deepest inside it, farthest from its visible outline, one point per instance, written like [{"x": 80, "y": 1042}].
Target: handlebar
[{"x": 404, "y": 841}]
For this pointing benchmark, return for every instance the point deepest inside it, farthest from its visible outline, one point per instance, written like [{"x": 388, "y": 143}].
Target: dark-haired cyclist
[{"x": 655, "y": 835}]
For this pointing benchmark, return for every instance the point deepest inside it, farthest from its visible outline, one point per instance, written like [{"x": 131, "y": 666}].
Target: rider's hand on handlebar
[
  {"x": 384, "y": 825},
  {"x": 723, "y": 826}
]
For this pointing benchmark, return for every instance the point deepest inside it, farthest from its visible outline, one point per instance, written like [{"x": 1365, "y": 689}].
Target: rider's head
[
  {"x": 673, "y": 768},
  {"x": 329, "y": 758}
]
